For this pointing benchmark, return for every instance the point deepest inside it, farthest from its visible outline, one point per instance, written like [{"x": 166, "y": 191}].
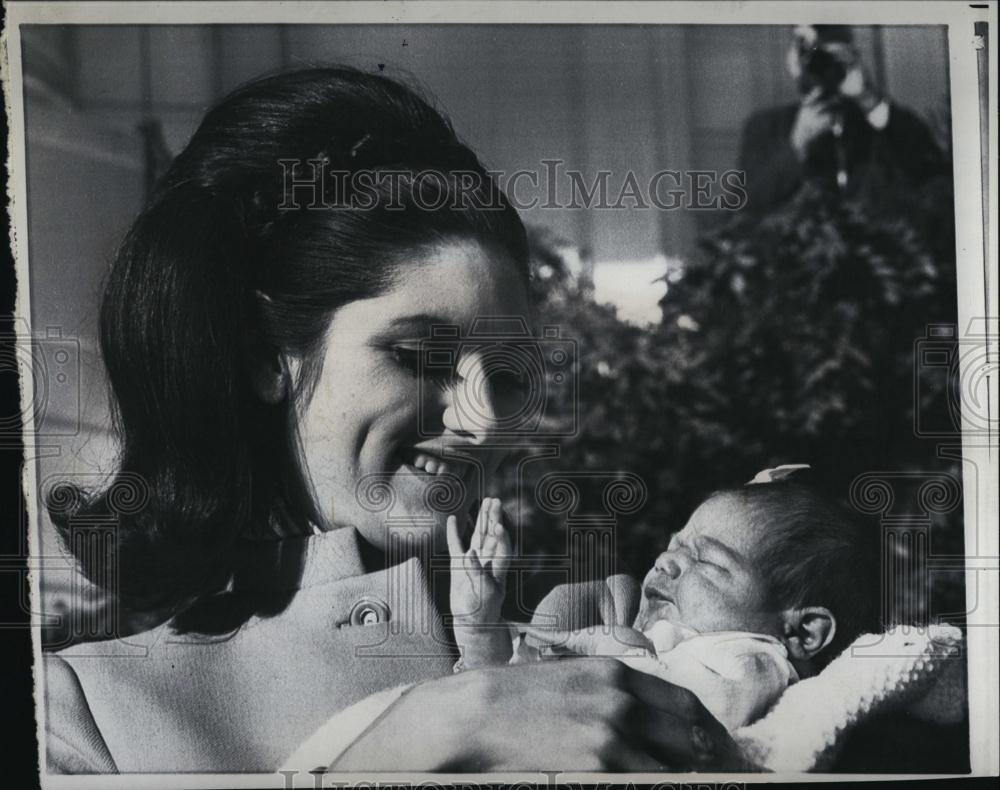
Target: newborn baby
[{"x": 764, "y": 584}]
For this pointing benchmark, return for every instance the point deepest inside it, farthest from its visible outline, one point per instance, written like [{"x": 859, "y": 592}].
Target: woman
[{"x": 287, "y": 465}]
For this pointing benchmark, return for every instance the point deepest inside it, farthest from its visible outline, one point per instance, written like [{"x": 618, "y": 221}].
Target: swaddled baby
[{"x": 764, "y": 585}]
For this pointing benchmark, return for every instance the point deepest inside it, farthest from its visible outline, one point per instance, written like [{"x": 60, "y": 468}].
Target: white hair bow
[{"x": 777, "y": 473}]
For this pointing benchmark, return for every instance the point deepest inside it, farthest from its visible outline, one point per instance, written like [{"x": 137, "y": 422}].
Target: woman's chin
[
  {"x": 408, "y": 505},
  {"x": 413, "y": 500}
]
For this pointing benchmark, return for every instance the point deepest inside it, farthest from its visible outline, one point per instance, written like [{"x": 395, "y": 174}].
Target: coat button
[{"x": 369, "y": 611}]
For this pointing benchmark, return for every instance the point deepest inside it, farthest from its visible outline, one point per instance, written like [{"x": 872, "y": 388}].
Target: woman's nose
[{"x": 471, "y": 406}]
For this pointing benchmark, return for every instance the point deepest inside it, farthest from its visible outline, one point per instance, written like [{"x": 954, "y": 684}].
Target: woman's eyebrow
[
  {"x": 420, "y": 321},
  {"x": 421, "y": 324}
]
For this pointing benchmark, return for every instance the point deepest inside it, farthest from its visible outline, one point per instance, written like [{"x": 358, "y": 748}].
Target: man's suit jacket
[{"x": 903, "y": 153}]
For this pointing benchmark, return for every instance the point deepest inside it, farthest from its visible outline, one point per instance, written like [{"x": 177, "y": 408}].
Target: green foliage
[
  {"x": 785, "y": 339},
  {"x": 806, "y": 323}
]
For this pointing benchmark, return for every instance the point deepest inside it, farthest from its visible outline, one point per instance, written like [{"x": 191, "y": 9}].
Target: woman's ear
[
  {"x": 808, "y": 630},
  {"x": 270, "y": 372},
  {"x": 270, "y": 377}
]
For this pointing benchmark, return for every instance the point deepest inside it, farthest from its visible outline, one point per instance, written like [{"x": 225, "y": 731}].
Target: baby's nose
[{"x": 668, "y": 565}]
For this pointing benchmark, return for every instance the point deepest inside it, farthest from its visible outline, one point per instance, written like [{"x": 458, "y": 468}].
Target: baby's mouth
[
  {"x": 656, "y": 605},
  {"x": 656, "y": 596}
]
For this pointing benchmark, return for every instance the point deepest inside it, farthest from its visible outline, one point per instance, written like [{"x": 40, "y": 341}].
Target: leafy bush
[{"x": 785, "y": 339}]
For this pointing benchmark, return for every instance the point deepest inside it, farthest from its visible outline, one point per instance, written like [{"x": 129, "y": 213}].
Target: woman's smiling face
[{"x": 374, "y": 420}]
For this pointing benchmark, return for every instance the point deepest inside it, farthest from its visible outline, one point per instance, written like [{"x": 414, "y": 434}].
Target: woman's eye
[
  {"x": 408, "y": 358},
  {"x": 415, "y": 361}
]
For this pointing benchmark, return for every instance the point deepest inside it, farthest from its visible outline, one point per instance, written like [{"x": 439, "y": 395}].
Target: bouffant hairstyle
[{"x": 237, "y": 254}]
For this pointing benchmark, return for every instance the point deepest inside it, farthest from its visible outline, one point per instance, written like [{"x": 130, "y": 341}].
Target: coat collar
[
  {"x": 300, "y": 562},
  {"x": 332, "y": 556},
  {"x": 268, "y": 575}
]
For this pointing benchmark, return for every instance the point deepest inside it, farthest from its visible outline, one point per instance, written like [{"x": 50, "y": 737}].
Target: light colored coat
[{"x": 160, "y": 702}]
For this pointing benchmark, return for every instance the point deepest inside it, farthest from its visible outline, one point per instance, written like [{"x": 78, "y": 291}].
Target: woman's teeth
[{"x": 430, "y": 465}]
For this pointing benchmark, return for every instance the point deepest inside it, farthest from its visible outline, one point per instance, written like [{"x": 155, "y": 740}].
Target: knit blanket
[{"x": 921, "y": 671}]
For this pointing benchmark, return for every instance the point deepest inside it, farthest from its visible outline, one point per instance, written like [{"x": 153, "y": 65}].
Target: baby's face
[{"x": 706, "y": 578}]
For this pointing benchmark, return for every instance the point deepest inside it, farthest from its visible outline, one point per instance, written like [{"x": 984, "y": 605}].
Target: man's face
[
  {"x": 819, "y": 61},
  {"x": 707, "y": 579},
  {"x": 803, "y": 37}
]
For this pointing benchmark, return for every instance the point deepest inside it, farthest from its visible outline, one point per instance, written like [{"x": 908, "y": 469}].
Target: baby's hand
[{"x": 479, "y": 575}]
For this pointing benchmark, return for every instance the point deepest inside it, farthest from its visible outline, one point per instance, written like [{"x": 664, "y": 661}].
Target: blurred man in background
[{"x": 843, "y": 134}]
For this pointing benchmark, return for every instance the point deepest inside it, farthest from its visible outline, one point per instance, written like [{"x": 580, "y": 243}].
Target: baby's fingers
[
  {"x": 454, "y": 540},
  {"x": 496, "y": 547},
  {"x": 495, "y": 515},
  {"x": 503, "y": 549},
  {"x": 482, "y": 524},
  {"x": 491, "y": 519}
]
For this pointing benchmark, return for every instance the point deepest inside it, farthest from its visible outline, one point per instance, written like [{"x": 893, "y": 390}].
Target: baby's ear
[{"x": 808, "y": 630}]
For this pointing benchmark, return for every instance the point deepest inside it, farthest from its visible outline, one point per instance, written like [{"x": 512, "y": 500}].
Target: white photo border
[{"x": 977, "y": 286}]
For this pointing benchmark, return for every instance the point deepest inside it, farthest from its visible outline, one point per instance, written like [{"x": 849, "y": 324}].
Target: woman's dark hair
[
  {"x": 816, "y": 551},
  {"x": 229, "y": 261}
]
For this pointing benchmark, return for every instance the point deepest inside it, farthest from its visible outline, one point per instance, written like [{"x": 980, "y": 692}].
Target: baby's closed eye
[{"x": 714, "y": 566}]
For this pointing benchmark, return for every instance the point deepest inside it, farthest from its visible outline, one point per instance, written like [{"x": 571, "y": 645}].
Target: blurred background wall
[
  {"x": 105, "y": 104},
  {"x": 627, "y": 97},
  {"x": 615, "y": 98}
]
